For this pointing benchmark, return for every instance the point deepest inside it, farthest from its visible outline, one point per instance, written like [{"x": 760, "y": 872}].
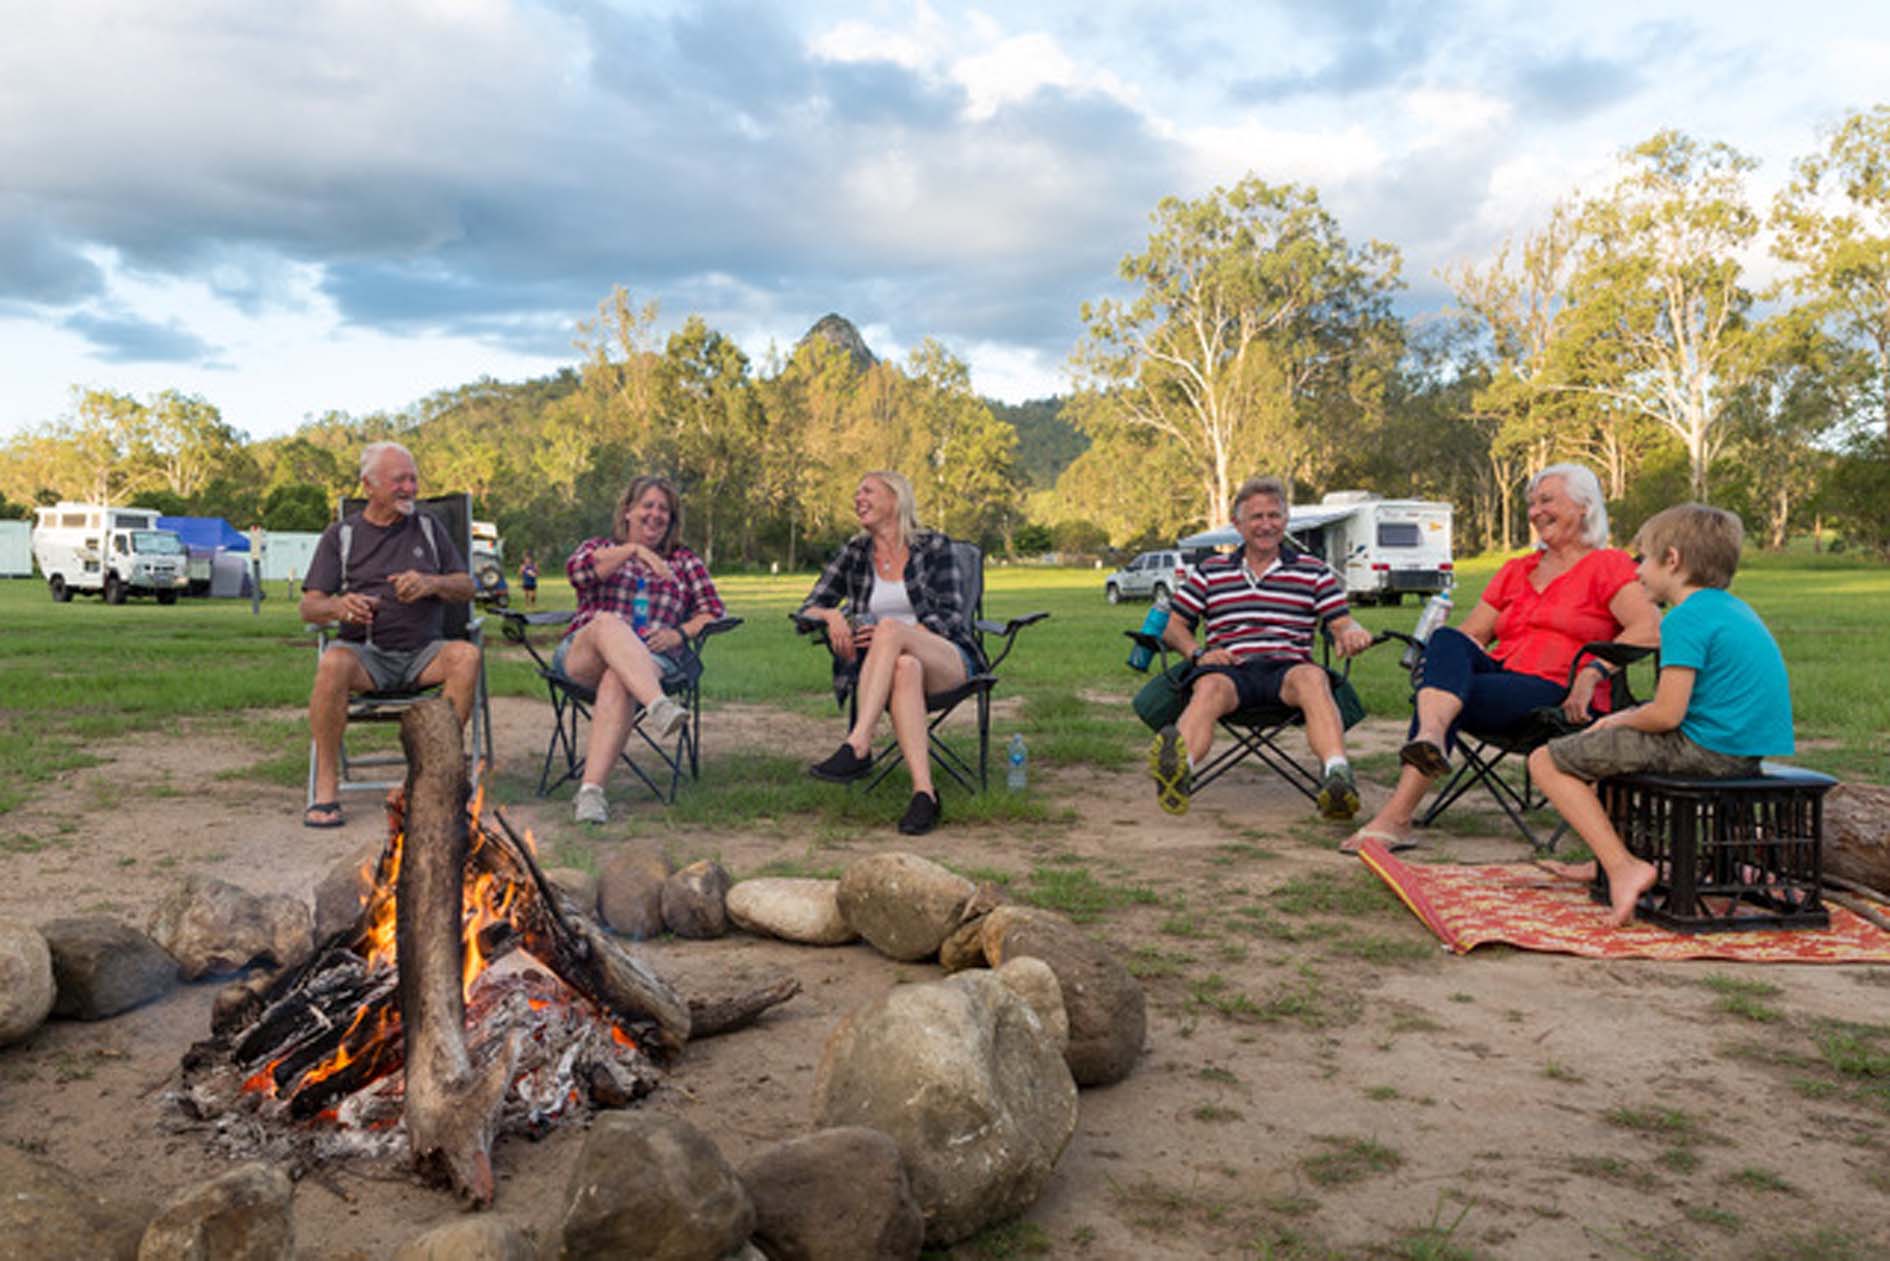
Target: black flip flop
[
  {"x": 1425, "y": 757},
  {"x": 331, "y": 812}
]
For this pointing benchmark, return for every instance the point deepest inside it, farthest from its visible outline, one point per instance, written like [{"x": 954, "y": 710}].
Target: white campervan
[
  {"x": 1381, "y": 547},
  {"x": 114, "y": 551}
]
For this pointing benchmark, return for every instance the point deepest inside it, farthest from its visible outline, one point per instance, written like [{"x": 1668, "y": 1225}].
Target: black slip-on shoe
[
  {"x": 921, "y": 816},
  {"x": 843, "y": 766}
]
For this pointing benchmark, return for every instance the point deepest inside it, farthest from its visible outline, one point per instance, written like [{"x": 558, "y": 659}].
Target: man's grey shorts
[
  {"x": 390, "y": 669},
  {"x": 1595, "y": 755}
]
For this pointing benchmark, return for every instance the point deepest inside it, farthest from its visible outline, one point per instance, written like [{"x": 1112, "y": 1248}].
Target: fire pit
[{"x": 470, "y": 998}]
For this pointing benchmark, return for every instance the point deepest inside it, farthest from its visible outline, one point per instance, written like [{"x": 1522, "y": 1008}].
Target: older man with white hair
[{"x": 384, "y": 574}]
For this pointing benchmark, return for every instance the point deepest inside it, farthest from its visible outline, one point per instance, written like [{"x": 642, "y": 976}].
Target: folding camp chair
[
  {"x": 571, "y": 703},
  {"x": 1254, "y": 732},
  {"x": 1485, "y": 755},
  {"x": 940, "y": 706},
  {"x": 453, "y": 515}
]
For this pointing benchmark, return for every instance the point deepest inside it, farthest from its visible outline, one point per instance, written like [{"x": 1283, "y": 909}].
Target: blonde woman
[{"x": 893, "y": 602}]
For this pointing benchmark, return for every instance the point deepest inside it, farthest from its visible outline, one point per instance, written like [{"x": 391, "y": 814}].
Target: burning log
[{"x": 452, "y": 1103}]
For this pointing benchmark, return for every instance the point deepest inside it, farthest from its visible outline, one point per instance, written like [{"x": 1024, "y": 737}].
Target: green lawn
[{"x": 71, "y": 673}]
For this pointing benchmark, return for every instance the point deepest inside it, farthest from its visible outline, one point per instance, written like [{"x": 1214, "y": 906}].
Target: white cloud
[
  {"x": 1447, "y": 113},
  {"x": 1222, "y": 155}
]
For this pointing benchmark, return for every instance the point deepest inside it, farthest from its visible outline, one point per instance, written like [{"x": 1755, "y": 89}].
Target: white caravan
[
  {"x": 1381, "y": 547},
  {"x": 115, "y": 552}
]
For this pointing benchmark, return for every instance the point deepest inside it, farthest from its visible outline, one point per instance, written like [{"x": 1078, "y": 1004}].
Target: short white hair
[
  {"x": 1581, "y": 485},
  {"x": 372, "y": 453}
]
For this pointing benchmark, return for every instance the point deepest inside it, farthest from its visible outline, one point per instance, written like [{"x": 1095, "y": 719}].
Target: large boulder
[
  {"x": 695, "y": 901},
  {"x": 344, "y": 891},
  {"x": 577, "y": 884},
  {"x": 1107, "y": 1010},
  {"x": 242, "y": 1215},
  {"x": 793, "y": 909},
  {"x": 836, "y": 1195},
  {"x": 630, "y": 889},
  {"x": 905, "y": 906},
  {"x": 102, "y": 966},
  {"x": 26, "y": 981},
  {"x": 483, "y": 1238},
  {"x": 963, "y": 1077},
  {"x": 48, "y": 1212},
  {"x": 652, "y": 1187},
  {"x": 212, "y": 927}
]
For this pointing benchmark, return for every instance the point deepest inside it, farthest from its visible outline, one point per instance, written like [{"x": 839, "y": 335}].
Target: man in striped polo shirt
[{"x": 1261, "y": 606}]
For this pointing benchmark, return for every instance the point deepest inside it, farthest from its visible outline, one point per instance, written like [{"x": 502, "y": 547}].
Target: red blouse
[{"x": 1539, "y": 632}]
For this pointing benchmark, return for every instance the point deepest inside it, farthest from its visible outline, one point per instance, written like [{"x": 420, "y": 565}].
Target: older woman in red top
[
  {"x": 629, "y": 658},
  {"x": 1512, "y": 655}
]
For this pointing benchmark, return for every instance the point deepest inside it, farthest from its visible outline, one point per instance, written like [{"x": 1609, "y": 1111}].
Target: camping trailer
[
  {"x": 1382, "y": 548},
  {"x": 114, "y": 551}
]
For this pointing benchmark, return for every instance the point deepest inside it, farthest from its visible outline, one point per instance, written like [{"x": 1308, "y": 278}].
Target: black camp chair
[
  {"x": 940, "y": 706},
  {"x": 453, "y": 515},
  {"x": 1498, "y": 761},
  {"x": 571, "y": 703},
  {"x": 1255, "y": 732}
]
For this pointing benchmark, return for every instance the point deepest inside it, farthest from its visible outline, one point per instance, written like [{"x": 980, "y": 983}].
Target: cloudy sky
[{"x": 288, "y": 208}]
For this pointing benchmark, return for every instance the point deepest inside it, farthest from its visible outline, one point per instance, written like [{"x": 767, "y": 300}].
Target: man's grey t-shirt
[{"x": 376, "y": 554}]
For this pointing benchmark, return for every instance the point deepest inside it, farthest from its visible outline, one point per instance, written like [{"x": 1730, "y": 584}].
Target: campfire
[{"x": 470, "y": 998}]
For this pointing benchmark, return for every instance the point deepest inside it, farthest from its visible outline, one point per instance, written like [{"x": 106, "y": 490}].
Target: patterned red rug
[{"x": 1521, "y": 905}]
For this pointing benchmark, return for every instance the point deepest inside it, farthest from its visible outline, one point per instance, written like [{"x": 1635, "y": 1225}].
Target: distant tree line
[{"x": 1623, "y": 331}]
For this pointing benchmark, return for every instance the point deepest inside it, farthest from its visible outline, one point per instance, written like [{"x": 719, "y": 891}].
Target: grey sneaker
[
  {"x": 589, "y": 805},
  {"x": 666, "y": 717}
]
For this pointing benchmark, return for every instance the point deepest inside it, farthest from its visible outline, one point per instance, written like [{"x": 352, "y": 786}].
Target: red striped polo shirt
[{"x": 1274, "y": 616}]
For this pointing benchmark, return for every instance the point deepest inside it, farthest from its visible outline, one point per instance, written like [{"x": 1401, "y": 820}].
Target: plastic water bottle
[
  {"x": 1436, "y": 613},
  {"x": 1154, "y": 624},
  {"x": 640, "y": 605},
  {"x": 1017, "y": 774}
]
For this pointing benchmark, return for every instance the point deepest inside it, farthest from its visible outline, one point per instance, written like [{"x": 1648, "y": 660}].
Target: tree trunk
[
  {"x": 1857, "y": 834},
  {"x": 452, "y": 1106}
]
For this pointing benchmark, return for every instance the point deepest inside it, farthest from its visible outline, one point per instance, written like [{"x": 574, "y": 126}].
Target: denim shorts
[
  {"x": 670, "y": 668},
  {"x": 1595, "y": 755},
  {"x": 391, "y": 669}
]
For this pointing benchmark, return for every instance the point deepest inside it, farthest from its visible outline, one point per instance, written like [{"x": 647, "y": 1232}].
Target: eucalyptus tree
[
  {"x": 1240, "y": 345},
  {"x": 1657, "y": 317},
  {"x": 1833, "y": 222}
]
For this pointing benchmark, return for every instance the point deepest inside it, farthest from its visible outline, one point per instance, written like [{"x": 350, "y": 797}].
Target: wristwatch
[
  {"x": 1194, "y": 658},
  {"x": 1600, "y": 667}
]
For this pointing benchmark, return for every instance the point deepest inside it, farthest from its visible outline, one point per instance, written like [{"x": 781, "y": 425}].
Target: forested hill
[{"x": 1046, "y": 442}]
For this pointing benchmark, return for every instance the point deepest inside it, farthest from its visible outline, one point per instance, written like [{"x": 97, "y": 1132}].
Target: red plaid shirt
[{"x": 673, "y": 601}]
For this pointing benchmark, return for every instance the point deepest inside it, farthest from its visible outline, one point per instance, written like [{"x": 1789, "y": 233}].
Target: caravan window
[
  {"x": 156, "y": 543},
  {"x": 73, "y": 520},
  {"x": 1397, "y": 534}
]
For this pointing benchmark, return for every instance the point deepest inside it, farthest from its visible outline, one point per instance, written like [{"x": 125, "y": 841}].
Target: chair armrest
[
  {"x": 1156, "y": 645},
  {"x": 518, "y": 624},
  {"x": 719, "y": 626},
  {"x": 814, "y": 626},
  {"x": 1007, "y": 631}
]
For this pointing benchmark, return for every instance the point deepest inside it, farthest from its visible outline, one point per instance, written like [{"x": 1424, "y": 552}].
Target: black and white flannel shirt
[{"x": 935, "y": 583}]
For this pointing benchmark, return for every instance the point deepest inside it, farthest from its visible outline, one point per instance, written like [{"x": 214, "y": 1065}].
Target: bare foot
[
  {"x": 1626, "y": 892},
  {"x": 1584, "y": 872}
]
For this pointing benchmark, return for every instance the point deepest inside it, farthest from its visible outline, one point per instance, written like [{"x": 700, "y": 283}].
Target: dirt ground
[{"x": 1325, "y": 1090}]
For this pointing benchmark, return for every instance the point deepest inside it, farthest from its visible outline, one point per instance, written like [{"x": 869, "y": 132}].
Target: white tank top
[{"x": 890, "y": 602}]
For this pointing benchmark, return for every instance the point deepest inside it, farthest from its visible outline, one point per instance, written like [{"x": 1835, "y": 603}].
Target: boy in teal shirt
[{"x": 1722, "y": 702}]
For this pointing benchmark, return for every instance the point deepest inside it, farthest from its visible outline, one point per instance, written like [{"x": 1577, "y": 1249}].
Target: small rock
[
  {"x": 243, "y": 1215},
  {"x": 26, "y": 981},
  {"x": 802, "y": 910},
  {"x": 211, "y": 926},
  {"x": 578, "y": 885},
  {"x": 695, "y": 901},
  {"x": 836, "y": 1195},
  {"x": 962, "y": 1076},
  {"x": 344, "y": 890},
  {"x": 905, "y": 906},
  {"x": 48, "y": 1212},
  {"x": 1036, "y": 984},
  {"x": 652, "y": 1187},
  {"x": 1108, "y": 1018},
  {"x": 964, "y": 949},
  {"x": 481, "y": 1238},
  {"x": 103, "y": 967},
  {"x": 630, "y": 889}
]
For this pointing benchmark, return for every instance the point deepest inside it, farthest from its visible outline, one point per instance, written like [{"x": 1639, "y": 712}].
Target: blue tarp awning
[{"x": 206, "y": 533}]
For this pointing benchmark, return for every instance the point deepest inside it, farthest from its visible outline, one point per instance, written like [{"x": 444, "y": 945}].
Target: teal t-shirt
[{"x": 1742, "y": 700}]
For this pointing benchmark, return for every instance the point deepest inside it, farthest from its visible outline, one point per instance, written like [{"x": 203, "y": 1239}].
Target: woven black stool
[{"x": 1732, "y": 853}]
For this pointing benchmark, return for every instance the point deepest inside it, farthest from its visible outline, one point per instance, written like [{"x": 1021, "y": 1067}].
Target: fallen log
[
  {"x": 1857, "y": 834},
  {"x": 452, "y": 1104},
  {"x": 725, "y": 1013}
]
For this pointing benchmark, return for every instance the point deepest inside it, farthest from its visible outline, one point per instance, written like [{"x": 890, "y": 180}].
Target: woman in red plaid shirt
[{"x": 628, "y": 666}]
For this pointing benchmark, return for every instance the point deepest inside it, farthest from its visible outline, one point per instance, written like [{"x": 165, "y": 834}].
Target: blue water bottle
[
  {"x": 1017, "y": 774},
  {"x": 640, "y": 605},
  {"x": 1154, "y": 624}
]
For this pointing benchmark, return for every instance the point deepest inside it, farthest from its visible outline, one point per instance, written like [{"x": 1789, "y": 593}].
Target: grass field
[{"x": 74, "y": 673}]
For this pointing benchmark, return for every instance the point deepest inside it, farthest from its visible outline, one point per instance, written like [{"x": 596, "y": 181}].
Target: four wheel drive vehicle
[
  {"x": 114, "y": 551},
  {"x": 488, "y": 564},
  {"x": 1150, "y": 576}
]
